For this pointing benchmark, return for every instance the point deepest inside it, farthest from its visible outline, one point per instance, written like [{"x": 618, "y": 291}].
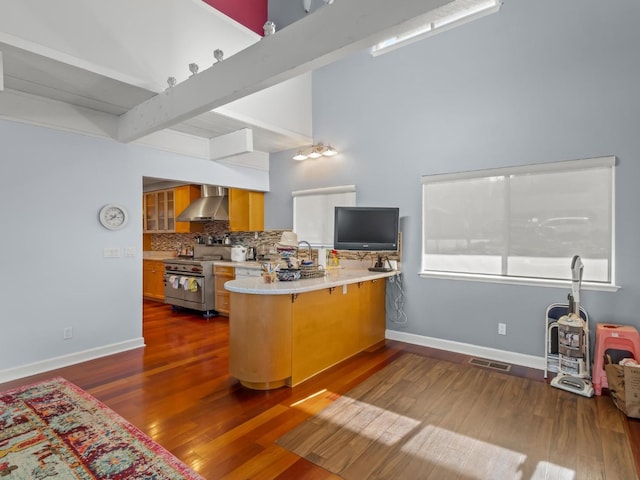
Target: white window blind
[
  {"x": 313, "y": 212},
  {"x": 525, "y": 222}
]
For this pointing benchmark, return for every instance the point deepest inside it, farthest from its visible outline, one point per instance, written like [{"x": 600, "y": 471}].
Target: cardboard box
[{"x": 624, "y": 388}]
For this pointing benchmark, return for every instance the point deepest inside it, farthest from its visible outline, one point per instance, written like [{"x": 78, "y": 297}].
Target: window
[
  {"x": 452, "y": 14},
  {"x": 522, "y": 222},
  {"x": 313, "y": 212}
]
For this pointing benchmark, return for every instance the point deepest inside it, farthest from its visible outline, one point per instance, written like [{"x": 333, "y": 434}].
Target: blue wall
[
  {"x": 53, "y": 270},
  {"x": 537, "y": 82}
]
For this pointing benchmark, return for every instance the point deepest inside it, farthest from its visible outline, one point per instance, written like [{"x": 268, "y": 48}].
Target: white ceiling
[
  {"x": 36, "y": 74},
  {"x": 296, "y": 49}
]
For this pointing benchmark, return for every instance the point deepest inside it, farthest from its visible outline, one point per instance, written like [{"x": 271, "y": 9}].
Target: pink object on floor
[{"x": 622, "y": 337}]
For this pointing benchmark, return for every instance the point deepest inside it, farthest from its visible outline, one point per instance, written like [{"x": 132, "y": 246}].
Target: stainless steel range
[{"x": 188, "y": 282}]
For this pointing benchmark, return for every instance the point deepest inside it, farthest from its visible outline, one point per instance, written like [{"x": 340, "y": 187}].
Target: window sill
[{"x": 530, "y": 282}]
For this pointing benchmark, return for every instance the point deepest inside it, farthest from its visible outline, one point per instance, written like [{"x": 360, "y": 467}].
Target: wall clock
[{"x": 113, "y": 216}]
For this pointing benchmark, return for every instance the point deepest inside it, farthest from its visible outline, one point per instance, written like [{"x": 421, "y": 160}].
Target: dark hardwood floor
[{"x": 177, "y": 390}]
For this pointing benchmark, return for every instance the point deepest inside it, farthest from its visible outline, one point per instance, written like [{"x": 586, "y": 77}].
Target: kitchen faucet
[{"x": 310, "y": 251}]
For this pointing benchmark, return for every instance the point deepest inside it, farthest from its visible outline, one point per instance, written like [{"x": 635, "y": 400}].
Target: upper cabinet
[
  {"x": 159, "y": 211},
  {"x": 184, "y": 195},
  {"x": 161, "y": 208},
  {"x": 246, "y": 210}
]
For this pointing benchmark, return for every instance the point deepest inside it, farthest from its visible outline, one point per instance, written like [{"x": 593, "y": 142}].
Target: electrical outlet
[
  {"x": 67, "y": 333},
  {"x": 502, "y": 329}
]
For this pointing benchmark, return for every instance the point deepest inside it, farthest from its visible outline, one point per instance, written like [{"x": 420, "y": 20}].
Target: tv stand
[{"x": 379, "y": 266}]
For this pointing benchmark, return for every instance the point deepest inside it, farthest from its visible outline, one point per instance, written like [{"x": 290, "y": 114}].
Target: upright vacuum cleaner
[{"x": 574, "y": 368}]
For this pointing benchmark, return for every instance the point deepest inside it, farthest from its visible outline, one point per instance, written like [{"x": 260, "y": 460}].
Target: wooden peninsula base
[{"x": 284, "y": 334}]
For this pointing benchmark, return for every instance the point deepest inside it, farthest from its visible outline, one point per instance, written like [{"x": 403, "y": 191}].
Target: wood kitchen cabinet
[
  {"x": 246, "y": 210},
  {"x": 319, "y": 319},
  {"x": 222, "y": 274},
  {"x": 161, "y": 207},
  {"x": 153, "y": 280},
  {"x": 285, "y": 339},
  {"x": 184, "y": 195},
  {"x": 159, "y": 211},
  {"x": 372, "y": 311}
]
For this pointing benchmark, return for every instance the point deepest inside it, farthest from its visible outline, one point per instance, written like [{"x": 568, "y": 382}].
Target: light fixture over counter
[{"x": 316, "y": 151}]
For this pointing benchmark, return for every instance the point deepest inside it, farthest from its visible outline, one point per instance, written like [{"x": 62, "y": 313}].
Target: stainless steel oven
[{"x": 188, "y": 282}]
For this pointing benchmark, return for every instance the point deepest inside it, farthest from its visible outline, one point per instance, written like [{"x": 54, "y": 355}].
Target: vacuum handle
[
  {"x": 576, "y": 280},
  {"x": 571, "y": 308}
]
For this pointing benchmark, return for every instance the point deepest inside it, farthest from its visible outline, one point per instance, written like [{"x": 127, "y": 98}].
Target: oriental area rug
[
  {"x": 55, "y": 429},
  {"x": 425, "y": 418}
]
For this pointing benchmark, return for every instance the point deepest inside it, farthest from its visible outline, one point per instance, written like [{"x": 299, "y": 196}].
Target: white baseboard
[
  {"x": 458, "y": 347},
  {"x": 66, "y": 360},
  {"x": 468, "y": 349}
]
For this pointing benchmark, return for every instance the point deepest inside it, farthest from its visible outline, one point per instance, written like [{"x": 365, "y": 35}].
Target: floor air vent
[{"x": 503, "y": 367}]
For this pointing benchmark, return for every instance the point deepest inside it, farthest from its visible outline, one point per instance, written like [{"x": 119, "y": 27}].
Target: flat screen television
[{"x": 366, "y": 228}]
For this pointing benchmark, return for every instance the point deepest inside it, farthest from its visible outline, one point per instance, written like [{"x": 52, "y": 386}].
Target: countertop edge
[
  {"x": 257, "y": 286},
  {"x": 231, "y": 263}
]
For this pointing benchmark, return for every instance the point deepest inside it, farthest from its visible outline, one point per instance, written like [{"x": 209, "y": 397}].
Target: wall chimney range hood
[{"x": 212, "y": 205}]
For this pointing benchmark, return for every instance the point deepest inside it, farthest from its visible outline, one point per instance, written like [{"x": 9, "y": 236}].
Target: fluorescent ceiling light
[{"x": 448, "y": 16}]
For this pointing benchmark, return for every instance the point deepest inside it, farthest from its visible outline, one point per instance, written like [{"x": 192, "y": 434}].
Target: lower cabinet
[
  {"x": 153, "y": 280},
  {"x": 372, "y": 311},
  {"x": 278, "y": 340},
  {"x": 325, "y": 330},
  {"x": 260, "y": 340},
  {"x": 222, "y": 274}
]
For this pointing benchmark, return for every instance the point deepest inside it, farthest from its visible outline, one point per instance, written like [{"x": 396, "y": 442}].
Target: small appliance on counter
[{"x": 238, "y": 253}]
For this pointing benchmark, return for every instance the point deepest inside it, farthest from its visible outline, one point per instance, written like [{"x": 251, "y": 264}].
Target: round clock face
[{"x": 113, "y": 216}]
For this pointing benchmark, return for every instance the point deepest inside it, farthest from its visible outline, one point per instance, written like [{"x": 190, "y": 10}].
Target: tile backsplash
[
  {"x": 264, "y": 243},
  {"x": 173, "y": 241}
]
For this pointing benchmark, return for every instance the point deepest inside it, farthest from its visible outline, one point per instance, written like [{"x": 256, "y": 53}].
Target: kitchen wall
[
  {"x": 537, "y": 82},
  {"x": 53, "y": 270}
]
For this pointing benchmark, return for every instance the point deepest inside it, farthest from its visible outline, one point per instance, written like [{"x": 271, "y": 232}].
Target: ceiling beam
[
  {"x": 231, "y": 144},
  {"x": 329, "y": 34}
]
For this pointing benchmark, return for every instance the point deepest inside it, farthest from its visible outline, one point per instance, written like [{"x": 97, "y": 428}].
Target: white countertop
[
  {"x": 229, "y": 263},
  {"x": 257, "y": 285}
]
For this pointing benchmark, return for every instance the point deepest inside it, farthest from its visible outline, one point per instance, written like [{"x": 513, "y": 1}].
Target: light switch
[
  {"x": 111, "y": 252},
  {"x": 130, "y": 251}
]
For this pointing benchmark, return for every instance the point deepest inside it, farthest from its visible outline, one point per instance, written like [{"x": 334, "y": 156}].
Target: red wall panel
[{"x": 250, "y": 13}]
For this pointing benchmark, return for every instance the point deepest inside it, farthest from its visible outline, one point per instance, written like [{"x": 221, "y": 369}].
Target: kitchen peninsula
[{"x": 283, "y": 333}]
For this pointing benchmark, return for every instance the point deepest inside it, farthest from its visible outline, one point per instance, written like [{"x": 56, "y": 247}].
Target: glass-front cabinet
[
  {"x": 161, "y": 207},
  {"x": 159, "y": 211}
]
